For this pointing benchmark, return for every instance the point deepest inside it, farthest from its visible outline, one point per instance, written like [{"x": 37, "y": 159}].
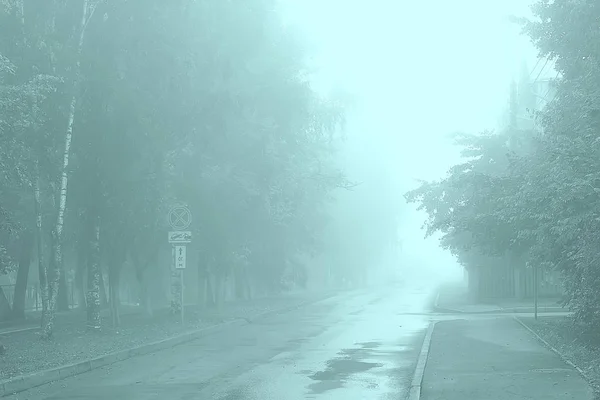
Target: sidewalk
[
  {"x": 496, "y": 359},
  {"x": 32, "y": 322},
  {"x": 71, "y": 343},
  {"x": 454, "y": 299}
]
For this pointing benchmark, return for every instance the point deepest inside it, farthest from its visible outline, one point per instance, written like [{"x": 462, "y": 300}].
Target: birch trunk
[
  {"x": 43, "y": 273},
  {"x": 58, "y": 230},
  {"x": 93, "y": 298}
]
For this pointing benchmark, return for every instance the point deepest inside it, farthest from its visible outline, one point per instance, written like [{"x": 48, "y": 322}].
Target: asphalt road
[{"x": 346, "y": 347}]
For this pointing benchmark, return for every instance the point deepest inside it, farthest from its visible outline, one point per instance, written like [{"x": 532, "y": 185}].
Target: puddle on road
[
  {"x": 370, "y": 345},
  {"x": 340, "y": 369}
]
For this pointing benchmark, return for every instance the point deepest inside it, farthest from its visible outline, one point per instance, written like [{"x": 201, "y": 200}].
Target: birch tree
[{"x": 88, "y": 9}]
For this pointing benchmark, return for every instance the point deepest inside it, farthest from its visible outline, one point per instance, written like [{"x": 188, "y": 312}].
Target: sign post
[
  {"x": 536, "y": 283},
  {"x": 180, "y": 219},
  {"x": 180, "y": 259}
]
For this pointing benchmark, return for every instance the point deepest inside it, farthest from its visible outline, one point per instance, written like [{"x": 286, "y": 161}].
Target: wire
[
  {"x": 535, "y": 66},
  {"x": 541, "y": 70}
]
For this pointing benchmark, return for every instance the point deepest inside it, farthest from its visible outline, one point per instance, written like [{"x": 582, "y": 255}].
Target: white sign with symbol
[
  {"x": 180, "y": 256},
  {"x": 180, "y": 218},
  {"x": 180, "y": 237}
]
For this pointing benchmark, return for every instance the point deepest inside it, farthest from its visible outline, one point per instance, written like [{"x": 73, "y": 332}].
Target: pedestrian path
[
  {"x": 455, "y": 299},
  {"x": 496, "y": 359}
]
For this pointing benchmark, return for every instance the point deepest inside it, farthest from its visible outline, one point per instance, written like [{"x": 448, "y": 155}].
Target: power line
[
  {"x": 541, "y": 70},
  {"x": 535, "y": 66}
]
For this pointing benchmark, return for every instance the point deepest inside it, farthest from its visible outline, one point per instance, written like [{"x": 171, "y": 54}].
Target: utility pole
[{"x": 535, "y": 289}]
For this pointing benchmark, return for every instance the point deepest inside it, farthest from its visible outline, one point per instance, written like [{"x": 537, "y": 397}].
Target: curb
[
  {"x": 554, "y": 350},
  {"x": 22, "y": 383},
  {"x": 417, "y": 381},
  {"x": 541, "y": 310},
  {"x": 30, "y": 381},
  {"x": 443, "y": 310},
  {"x": 17, "y": 330}
]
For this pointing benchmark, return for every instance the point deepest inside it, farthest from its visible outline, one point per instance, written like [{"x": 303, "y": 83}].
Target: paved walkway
[
  {"x": 33, "y": 319},
  {"x": 496, "y": 359},
  {"x": 455, "y": 299}
]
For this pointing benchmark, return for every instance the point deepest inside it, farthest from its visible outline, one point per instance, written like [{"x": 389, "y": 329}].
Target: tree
[
  {"x": 19, "y": 124},
  {"x": 149, "y": 111},
  {"x": 545, "y": 205}
]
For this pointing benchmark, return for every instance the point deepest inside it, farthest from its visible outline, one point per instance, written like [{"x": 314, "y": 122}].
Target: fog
[
  {"x": 416, "y": 72},
  {"x": 292, "y": 199}
]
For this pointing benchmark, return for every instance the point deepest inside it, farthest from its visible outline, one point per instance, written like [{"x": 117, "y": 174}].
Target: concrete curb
[
  {"x": 541, "y": 310},
  {"x": 553, "y": 349},
  {"x": 30, "y": 381},
  {"x": 444, "y": 310},
  {"x": 17, "y": 330},
  {"x": 417, "y": 381}
]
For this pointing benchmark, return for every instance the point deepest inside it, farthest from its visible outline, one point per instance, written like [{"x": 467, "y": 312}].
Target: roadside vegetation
[{"x": 528, "y": 196}]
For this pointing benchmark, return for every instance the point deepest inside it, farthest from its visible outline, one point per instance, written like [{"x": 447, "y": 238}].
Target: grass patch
[{"x": 574, "y": 342}]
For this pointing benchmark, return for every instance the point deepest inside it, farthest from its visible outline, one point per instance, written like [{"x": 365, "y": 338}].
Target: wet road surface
[{"x": 346, "y": 347}]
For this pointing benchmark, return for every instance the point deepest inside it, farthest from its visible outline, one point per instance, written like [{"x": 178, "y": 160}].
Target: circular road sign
[{"x": 180, "y": 218}]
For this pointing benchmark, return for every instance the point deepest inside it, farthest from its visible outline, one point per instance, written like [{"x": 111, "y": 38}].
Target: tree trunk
[
  {"x": 144, "y": 287},
  {"x": 219, "y": 290},
  {"x": 42, "y": 272},
  {"x": 146, "y": 297},
  {"x": 80, "y": 282},
  {"x": 94, "y": 277},
  {"x": 210, "y": 294},
  {"x": 246, "y": 283},
  {"x": 63, "y": 294},
  {"x": 18, "y": 307},
  {"x": 176, "y": 286},
  {"x": 103, "y": 295},
  {"x": 147, "y": 300},
  {"x": 58, "y": 230},
  {"x": 114, "y": 288},
  {"x": 5, "y": 311},
  {"x": 201, "y": 283},
  {"x": 20, "y": 294}
]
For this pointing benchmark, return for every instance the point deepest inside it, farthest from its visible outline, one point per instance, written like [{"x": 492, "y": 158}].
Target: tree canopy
[
  {"x": 207, "y": 103},
  {"x": 535, "y": 193}
]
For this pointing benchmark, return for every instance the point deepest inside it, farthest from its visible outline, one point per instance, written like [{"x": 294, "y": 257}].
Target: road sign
[
  {"x": 180, "y": 218},
  {"x": 180, "y": 257},
  {"x": 180, "y": 237}
]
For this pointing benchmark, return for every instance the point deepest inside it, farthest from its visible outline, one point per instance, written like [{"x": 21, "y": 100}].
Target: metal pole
[
  {"x": 535, "y": 290},
  {"x": 182, "y": 304}
]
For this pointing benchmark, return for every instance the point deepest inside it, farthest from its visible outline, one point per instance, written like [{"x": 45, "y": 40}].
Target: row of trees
[
  {"x": 111, "y": 112},
  {"x": 534, "y": 195}
]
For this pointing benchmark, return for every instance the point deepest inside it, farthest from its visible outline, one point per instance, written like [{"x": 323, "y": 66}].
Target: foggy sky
[{"x": 418, "y": 71}]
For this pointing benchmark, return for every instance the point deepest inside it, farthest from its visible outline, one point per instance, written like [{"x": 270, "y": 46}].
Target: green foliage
[
  {"x": 542, "y": 201},
  {"x": 20, "y": 118},
  {"x": 201, "y": 102}
]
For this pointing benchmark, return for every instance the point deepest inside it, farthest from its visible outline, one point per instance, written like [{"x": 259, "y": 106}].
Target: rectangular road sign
[
  {"x": 180, "y": 257},
  {"x": 180, "y": 237}
]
